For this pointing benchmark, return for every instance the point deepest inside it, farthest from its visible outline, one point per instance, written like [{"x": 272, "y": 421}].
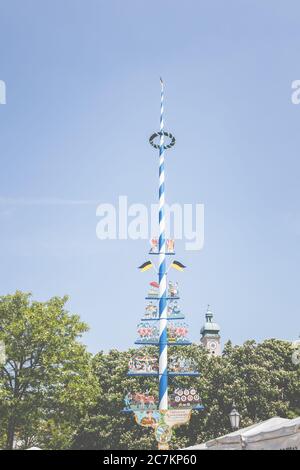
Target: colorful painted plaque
[
  {"x": 148, "y": 332},
  {"x": 173, "y": 309},
  {"x": 173, "y": 290},
  {"x": 163, "y": 434},
  {"x": 177, "y": 417},
  {"x": 148, "y": 418},
  {"x": 154, "y": 290},
  {"x": 140, "y": 401},
  {"x": 170, "y": 245},
  {"x": 141, "y": 364},
  {"x": 154, "y": 246},
  {"x": 151, "y": 311},
  {"x": 177, "y": 332},
  {"x": 184, "y": 398},
  {"x": 181, "y": 364}
]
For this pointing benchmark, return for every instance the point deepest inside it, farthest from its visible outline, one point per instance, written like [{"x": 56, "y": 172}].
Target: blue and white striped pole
[{"x": 162, "y": 276}]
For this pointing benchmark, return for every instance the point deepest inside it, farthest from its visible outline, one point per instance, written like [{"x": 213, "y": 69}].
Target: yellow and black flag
[
  {"x": 145, "y": 266},
  {"x": 177, "y": 265}
]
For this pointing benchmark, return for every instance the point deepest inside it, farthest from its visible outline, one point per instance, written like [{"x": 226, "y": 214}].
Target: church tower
[{"x": 210, "y": 337}]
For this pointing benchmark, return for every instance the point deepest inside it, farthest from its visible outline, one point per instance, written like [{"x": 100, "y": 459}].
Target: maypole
[
  {"x": 160, "y": 326},
  {"x": 162, "y": 275}
]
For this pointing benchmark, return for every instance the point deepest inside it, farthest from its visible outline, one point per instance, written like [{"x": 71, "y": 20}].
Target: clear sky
[{"x": 82, "y": 81}]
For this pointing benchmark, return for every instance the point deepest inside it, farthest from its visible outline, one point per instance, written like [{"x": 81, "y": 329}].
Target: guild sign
[
  {"x": 154, "y": 246},
  {"x": 162, "y": 422},
  {"x": 173, "y": 309},
  {"x": 163, "y": 433},
  {"x": 170, "y": 246},
  {"x": 185, "y": 398},
  {"x": 173, "y": 289},
  {"x": 141, "y": 364},
  {"x": 140, "y": 401},
  {"x": 182, "y": 364},
  {"x": 148, "y": 418},
  {"x": 151, "y": 311},
  {"x": 177, "y": 417},
  {"x": 148, "y": 332},
  {"x": 177, "y": 332},
  {"x": 154, "y": 290}
]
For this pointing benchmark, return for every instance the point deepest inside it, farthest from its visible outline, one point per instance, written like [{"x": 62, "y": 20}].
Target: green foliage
[
  {"x": 47, "y": 383},
  {"x": 260, "y": 378},
  {"x": 55, "y": 395}
]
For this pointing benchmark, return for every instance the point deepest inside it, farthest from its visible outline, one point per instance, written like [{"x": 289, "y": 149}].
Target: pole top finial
[
  {"x": 162, "y": 145},
  {"x": 209, "y": 314}
]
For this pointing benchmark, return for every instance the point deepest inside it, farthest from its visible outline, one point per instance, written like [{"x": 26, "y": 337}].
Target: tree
[
  {"x": 106, "y": 426},
  {"x": 46, "y": 383},
  {"x": 260, "y": 378},
  {"x": 53, "y": 394}
]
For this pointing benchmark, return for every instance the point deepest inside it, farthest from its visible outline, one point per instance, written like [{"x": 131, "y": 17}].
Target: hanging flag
[
  {"x": 145, "y": 266},
  {"x": 177, "y": 265}
]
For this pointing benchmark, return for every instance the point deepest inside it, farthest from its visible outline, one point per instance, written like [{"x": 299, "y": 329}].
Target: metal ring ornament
[{"x": 159, "y": 134}]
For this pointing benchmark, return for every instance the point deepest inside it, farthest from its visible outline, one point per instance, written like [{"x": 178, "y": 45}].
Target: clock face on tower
[{"x": 212, "y": 344}]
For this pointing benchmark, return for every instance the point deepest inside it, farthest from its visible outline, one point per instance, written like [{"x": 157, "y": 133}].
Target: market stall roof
[{"x": 275, "y": 433}]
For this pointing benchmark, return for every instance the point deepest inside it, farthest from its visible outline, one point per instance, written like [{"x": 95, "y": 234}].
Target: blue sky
[{"x": 82, "y": 83}]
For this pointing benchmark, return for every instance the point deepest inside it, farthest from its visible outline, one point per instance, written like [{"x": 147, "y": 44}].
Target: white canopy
[{"x": 273, "y": 434}]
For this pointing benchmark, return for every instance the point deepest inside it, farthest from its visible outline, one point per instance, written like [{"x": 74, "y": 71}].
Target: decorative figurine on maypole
[{"x": 162, "y": 326}]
